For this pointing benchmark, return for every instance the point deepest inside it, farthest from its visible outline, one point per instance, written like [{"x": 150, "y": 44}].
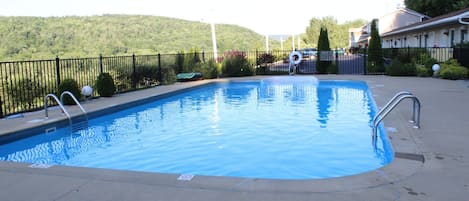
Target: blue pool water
[{"x": 281, "y": 127}]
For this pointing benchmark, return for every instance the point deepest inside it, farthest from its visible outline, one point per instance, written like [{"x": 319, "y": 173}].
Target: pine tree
[
  {"x": 323, "y": 45},
  {"x": 375, "y": 52}
]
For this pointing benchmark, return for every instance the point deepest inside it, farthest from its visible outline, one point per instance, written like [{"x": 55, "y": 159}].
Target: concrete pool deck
[{"x": 431, "y": 163}]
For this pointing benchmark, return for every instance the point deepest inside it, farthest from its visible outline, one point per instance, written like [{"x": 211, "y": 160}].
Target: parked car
[
  {"x": 340, "y": 51},
  {"x": 308, "y": 52}
]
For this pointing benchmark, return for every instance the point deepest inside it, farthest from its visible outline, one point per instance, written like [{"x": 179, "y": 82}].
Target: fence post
[
  {"x": 257, "y": 56},
  {"x": 1, "y": 108},
  {"x": 365, "y": 60},
  {"x": 57, "y": 69},
  {"x": 134, "y": 73},
  {"x": 337, "y": 60},
  {"x": 159, "y": 68},
  {"x": 100, "y": 63}
]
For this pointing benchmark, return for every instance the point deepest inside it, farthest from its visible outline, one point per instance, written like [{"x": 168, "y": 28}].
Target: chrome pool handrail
[{"x": 390, "y": 106}]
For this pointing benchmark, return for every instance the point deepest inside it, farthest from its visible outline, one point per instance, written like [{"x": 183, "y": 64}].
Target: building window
[
  {"x": 451, "y": 38},
  {"x": 420, "y": 41},
  {"x": 426, "y": 40},
  {"x": 463, "y": 35}
]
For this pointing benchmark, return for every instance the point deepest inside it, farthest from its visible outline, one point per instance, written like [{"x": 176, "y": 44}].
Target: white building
[
  {"x": 442, "y": 31},
  {"x": 401, "y": 17}
]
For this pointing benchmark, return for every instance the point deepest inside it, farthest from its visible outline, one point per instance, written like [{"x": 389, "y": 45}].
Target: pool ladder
[
  {"x": 391, "y": 105},
  {"x": 81, "y": 122}
]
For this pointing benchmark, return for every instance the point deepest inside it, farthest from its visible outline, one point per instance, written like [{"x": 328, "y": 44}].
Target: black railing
[{"x": 23, "y": 84}]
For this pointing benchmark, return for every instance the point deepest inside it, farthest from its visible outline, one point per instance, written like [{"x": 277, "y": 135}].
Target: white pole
[
  {"x": 299, "y": 47},
  {"x": 266, "y": 43},
  {"x": 281, "y": 43},
  {"x": 293, "y": 42},
  {"x": 214, "y": 42}
]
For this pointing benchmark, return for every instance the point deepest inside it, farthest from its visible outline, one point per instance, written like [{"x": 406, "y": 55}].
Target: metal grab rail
[
  {"x": 75, "y": 100},
  {"x": 391, "y": 105},
  {"x": 393, "y": 99},
  {"x": 60, "y": 103}
]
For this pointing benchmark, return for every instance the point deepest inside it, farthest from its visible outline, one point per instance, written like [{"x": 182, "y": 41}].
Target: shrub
[
  {"x": 72, "y": 86},
  {"x": 265, "y": 58},
  {"x": 105, "y": 85},
  {"x": 235, "y": 64},
  {"x": 323, "y": 45},
  {"x": 397, "y": 68},
  {"x": 208, "y": 69},
  {"x": 452, "y": 70},
  {"x": 190, "y": 60},
  {"x": 422, "y": 71},
  {"x": 332, "y": 69},
  {"x": 454, "y": 73},
  {"x": 375, "y": 52},
  {"x": 168, "y": 76},
  {"x": 424, "y": 64},
  {"x": 25, "y": 92}
]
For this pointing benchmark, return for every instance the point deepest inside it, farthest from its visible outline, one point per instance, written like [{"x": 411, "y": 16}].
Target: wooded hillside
[{"x": 27, "y": 38}]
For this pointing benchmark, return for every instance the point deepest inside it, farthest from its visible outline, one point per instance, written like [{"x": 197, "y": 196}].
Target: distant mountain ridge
[{"x": 26, "y": 38}]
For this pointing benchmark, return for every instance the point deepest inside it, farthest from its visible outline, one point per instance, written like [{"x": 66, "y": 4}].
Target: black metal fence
[{"x": 23, "y": 84}]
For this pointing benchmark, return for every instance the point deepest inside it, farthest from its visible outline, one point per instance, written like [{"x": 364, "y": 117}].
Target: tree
[
  {"x": 338, "y": 33},
  {"x": 435, "y": 8},
  {"x": 375, "y": 52},
  {"x": 323, "y": 45}
]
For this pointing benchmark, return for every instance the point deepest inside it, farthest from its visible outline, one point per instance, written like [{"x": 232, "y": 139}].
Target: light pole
[
  {"x": 214, "y": 42},
  {"x": 293, "y": 42},
  {"x": 214, "y": 36},
  {"x": 299, "y": 47},
  {"x": 281, "y": 43}
]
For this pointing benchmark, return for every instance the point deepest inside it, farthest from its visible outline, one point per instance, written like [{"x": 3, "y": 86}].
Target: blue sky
[{"x": 264, "y": 17}]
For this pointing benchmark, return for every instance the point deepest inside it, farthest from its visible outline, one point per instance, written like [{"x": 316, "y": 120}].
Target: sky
[{"x": 267, "y": 17}]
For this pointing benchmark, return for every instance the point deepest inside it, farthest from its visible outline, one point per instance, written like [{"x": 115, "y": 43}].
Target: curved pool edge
[
  {"x": 406, "y": 163},
  {"x": 396, "y": 171}
]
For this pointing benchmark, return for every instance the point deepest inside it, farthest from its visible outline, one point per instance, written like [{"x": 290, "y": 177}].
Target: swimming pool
[{"x": 282, "y": 128}]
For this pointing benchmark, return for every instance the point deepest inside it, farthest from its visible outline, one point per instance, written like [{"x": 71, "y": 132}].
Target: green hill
[{"x": 27, "y": 38}]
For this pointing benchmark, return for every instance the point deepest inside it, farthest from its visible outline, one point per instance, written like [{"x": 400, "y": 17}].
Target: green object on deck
[{"x": 189, "y": 76}]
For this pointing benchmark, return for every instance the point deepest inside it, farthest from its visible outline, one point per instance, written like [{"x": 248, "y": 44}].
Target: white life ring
[{"x": 292, "y": 59}]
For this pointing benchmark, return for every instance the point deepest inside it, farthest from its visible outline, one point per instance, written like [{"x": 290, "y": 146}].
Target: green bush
[
  {"x": 235, "y": 64},
  {"x": 375, "y": 51},
  {"x": 105, "y": 85},
  {"x": 397, "y": 68},
  {"x": 323, "y": 45},
  {"x": 25, "y": 92},
  {"x": 265, "y": 58},
  {"x": 190, "y": 60},
  {"x": 422, "y": 71},
  {"x": 208, "y": 69},
  {"x": 454, "y": 73},
  {"x": 145, "y": 71},
  {"x": 168, "y": 76},
  {"x": 72, "y": 86},
  {"x": 333, "y": 69},
  {"x": 424, "y": 64},
  {"x": 452, "y": 70}
]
